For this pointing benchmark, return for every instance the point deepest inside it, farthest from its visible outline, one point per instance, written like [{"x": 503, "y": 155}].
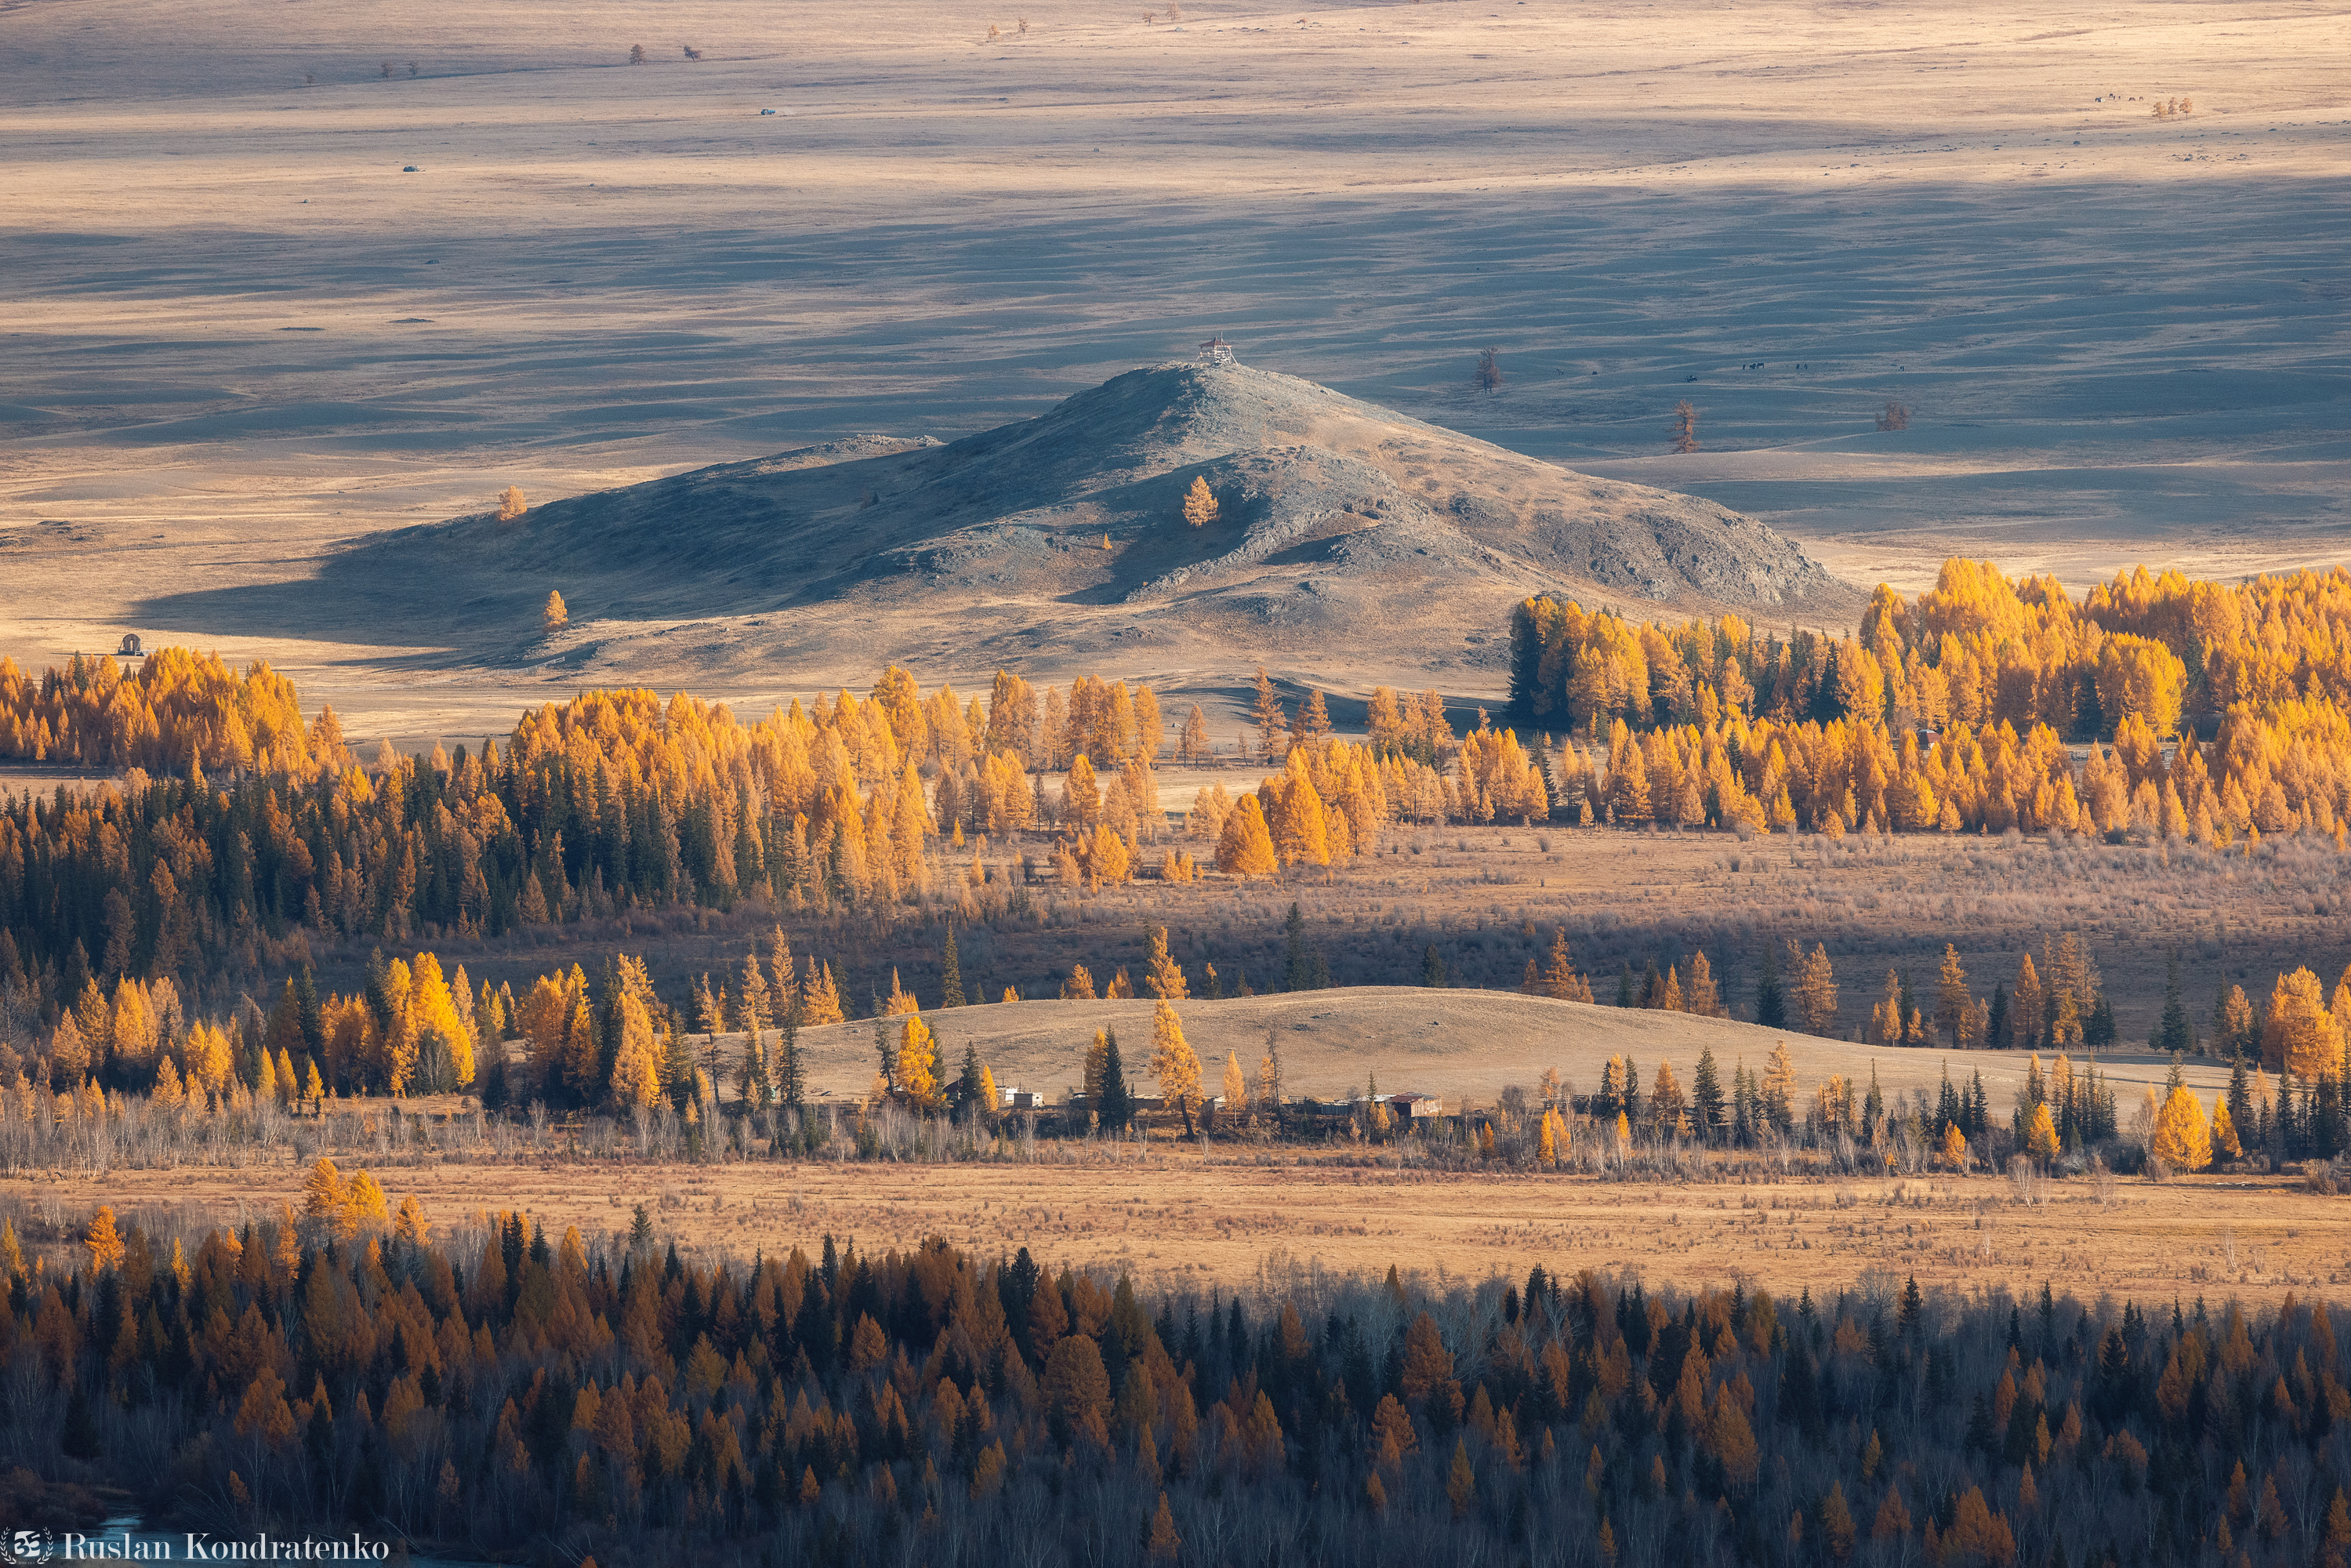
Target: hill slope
[
  {"x": 1346, "y": 532},
  {"x": 1450, "y": 1043}
]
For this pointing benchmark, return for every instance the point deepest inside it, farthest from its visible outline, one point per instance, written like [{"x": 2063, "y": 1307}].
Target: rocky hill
[{"x": 1348, "y": 539}]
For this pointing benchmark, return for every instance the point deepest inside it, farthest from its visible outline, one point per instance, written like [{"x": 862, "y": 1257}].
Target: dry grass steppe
[
  {"x": 1240, "y": 1217},
  {"x": 244, "y": 331}
]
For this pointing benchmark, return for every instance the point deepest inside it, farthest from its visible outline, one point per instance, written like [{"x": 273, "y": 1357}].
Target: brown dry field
[{"x": 1241, "y": 1218}]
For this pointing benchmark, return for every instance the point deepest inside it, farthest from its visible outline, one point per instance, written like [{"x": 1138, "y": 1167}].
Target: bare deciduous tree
[
  {"x": 1489, "y": 371},
  {"x": 1896, "y": 416},
  {"x": 636, "y": 53}
]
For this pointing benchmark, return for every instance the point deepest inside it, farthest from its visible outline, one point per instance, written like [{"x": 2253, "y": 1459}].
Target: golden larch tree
[
  {"x": 1177, "y": 1069},
  {"x": 1954, "y": 1009},
  {"x": 2224, "y": 1132},
  {"x": 1235, "y": 1085},
  {"x": 555, "y": 613},
  {"x": 104, "y": 1242},
  {"x": 2299, "y": 1036},
  {"x": 1199, "y": 503},
  {"x": 1096, "y": 1067},
  {"x": 511, "y": 504},
  {"x": 1684, "y": 427},
  {"x": 1245, "y": 847},
  {"x": 1815, "y": 991},
  {"x": 637, "y": 1063},
  {"x": 2040, "y": 1135},
  {"x": 918, "y": 1062},
  {"x": 1780, "y": 1086},
  {"x": 2183, "y": 1138},
  {"x": 1163, "y": 976},
  {"x": 1700, "y": 998}
]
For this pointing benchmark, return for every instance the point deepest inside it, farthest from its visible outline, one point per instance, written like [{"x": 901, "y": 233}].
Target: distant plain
[{"x": 241, "y": 332}]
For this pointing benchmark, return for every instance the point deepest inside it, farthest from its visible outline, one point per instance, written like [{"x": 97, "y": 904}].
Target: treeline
[
  {"x": 501, "y": 1390},
  {"x": 174, "y": 710},
  {"x": 255, "y": 832},
  {"x": 1709, "y": 723}
]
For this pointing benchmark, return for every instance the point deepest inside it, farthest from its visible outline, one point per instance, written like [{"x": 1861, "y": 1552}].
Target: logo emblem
[{"x": 29, "y": 1546}]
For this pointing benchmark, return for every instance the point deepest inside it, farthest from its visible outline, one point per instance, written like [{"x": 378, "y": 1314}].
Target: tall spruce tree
[
  {"x": 951, "y": 973},
  {"x": 2173, "y": 1032},
  {"x": 1117, "y": 1106},
  {"x": 1706, "y": 1097},
  {"x": 791, "y": 1074},
  {"x": 966, "y": 1095},
  {"x": 1298, "y": 968},
  {"x": 1771, "y": 1002}
]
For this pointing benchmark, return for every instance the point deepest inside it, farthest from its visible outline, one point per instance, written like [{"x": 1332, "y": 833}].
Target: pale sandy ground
[
  {"x": 1451, "y": 1043},
  {"x": 240, "y": 332}
]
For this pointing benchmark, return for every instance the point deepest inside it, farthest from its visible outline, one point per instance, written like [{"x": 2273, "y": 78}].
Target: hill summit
[{"x": 1344, "y": 536}]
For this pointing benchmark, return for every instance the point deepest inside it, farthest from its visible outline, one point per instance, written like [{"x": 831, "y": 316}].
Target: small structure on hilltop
[
  {"x": 130, "y": 648},
  {"x": 1216, "y": 351}
]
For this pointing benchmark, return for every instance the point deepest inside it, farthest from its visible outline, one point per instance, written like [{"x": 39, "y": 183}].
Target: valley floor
[{"x": 1237, "y": 1216}]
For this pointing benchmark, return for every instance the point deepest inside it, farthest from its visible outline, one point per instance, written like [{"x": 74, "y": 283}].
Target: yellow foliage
[
  {"x": 1245, "y": 847},
  {"x": 2183, "y": 1138},
  {"x": 2299, "y": 1035},
  {"x": 918, "y": 1062},
  {"x": 105, "y": 1242},
  {"x": 1172, "y": 1060}
]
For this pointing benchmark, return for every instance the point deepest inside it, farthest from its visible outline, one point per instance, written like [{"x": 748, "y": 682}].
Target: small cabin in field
[{"x": 130, "y": 648}]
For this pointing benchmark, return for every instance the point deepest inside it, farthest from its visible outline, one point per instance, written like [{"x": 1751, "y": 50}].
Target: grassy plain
[
  {"x": 248, "y": 332},
  {"x": 1237, "y": 1216}
]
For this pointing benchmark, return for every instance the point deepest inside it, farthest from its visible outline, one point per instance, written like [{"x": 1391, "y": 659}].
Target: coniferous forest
[
  {"x": 241, "y": 833},
  {"x": 498, "y": 1391}
]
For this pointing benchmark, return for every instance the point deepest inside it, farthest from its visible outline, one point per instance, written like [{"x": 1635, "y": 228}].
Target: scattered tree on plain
[
  {"x": 1199, "y": 503},
  {"x": 1684, "y": 427}
]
